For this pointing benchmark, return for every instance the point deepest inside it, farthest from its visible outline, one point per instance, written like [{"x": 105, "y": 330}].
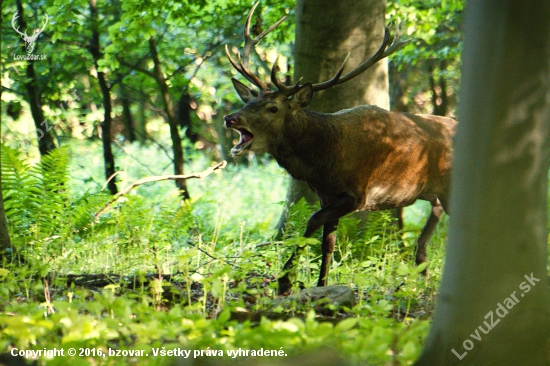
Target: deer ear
[
  {"x": 244, "y": 91},
  {"x": 302, "y": 97}
]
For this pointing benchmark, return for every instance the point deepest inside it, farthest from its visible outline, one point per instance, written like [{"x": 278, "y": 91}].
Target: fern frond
[
  {"x": 20, "y": 189},
  {"x": 53, "y": 174},
  {"x": 84, "y": 208},
  {"x": 35, "y": 197}
]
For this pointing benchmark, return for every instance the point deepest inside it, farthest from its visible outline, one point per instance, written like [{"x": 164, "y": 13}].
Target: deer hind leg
[
  {"x": 431, "y": 223},
  {"x": 327, "y": 216},
  {"x": 327, "y": 248}
]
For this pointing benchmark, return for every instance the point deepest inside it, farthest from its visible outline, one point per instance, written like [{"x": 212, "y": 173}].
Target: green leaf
[
  {"x": 402, "y": 270},
  {"x": 347, "y": 324}
]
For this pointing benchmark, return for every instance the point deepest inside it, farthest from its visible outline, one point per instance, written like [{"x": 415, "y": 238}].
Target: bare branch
[
  {"x": 137, "y": 68},
  {"x": 127, "y": 189}
]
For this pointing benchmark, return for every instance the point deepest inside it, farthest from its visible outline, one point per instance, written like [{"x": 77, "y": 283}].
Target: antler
[
  {"x": 383, "y": 51},
  {"x": 283, "y": 89},
  {"x": 242, "y": 66},
  {"x": 15, "y": 16}
]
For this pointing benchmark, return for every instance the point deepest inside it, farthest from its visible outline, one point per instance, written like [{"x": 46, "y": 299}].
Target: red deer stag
[{"x": 363, "y": 158}]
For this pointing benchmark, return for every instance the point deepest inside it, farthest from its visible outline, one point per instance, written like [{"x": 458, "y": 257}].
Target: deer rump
[{"x": 364, "y": 158}]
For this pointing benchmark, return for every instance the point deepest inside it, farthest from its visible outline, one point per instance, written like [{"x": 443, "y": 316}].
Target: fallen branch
[{"x": 127, "y": 189}]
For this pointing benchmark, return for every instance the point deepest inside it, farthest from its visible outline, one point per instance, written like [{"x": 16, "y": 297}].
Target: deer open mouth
[{"x": 244, "y": 144}]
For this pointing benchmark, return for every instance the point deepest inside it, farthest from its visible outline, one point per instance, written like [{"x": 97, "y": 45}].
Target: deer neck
[{"x": 306, "y": 147}]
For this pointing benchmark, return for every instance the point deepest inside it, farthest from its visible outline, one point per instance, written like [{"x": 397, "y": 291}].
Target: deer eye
[{"x": 273, "y": 110}]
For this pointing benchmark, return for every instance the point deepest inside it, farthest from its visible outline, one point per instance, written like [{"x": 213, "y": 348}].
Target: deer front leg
[
  {"x": 327, "y": 248},
  {"x": 431, "y": 223},
  {"x": 330, "y": 213}
]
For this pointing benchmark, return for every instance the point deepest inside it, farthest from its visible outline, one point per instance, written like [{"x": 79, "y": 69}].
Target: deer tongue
[
  {"x": 244, "y": 143},
  {"x": 245, "y": 137}
]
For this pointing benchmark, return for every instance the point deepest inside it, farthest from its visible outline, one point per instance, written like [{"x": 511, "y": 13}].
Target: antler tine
[
  {"x": 262, "y": 35},
  {"x": 359, "y": 69},
  {"x": 248, "y": 41},
  {"x": 283, "y": 89},
  {"x": 334, "y": 81},
  {"x": 238, "y": 67},
  {"x": 396, "y": 44}
]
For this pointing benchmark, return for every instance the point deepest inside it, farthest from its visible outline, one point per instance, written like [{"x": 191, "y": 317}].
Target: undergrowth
[{"x": 153, "y": 273}]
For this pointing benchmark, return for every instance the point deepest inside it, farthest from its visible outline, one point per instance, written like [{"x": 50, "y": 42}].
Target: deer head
[{"x": 266, "y": 112}]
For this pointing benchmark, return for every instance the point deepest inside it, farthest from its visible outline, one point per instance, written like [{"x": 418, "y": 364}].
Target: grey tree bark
[
  {"x": 493, "y": 306},
  {"x": 326, "y": 31}
]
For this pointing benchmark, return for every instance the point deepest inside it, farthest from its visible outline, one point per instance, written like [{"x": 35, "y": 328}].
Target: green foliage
[
  {"x": 179, "y": 270},
  {"x": 214, "y": 249},
  {"x": 35, "y": 197},
  {"x": 430, "y": 62}
]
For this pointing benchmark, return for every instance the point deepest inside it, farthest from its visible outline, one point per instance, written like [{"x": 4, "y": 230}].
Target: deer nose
[{"x": 229, "y": 120}]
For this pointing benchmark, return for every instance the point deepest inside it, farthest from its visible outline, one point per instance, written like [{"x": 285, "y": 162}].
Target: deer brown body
[{"x": 363, "y": 158}]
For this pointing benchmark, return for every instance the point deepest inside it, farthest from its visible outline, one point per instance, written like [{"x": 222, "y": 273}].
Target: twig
[
  {"x": 112, "y": 176},
  {"x": 269, "y": 243},
  {"x": 127, "y": 189}
]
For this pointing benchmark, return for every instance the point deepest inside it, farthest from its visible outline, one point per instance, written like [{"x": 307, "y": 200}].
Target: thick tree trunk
[
  {"x": 170, "y": 116},
  {"x": 326, "y": 31},
  {"x": 108, "y": 157},
  {"x": 44, "y": 136},
  {"x": 493, "y": 306}
]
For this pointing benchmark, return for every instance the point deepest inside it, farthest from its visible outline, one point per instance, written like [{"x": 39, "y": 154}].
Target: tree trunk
[
  {"x": 224, "y": 142},
  {"x": 493, "y": 306},
  {"x": 127, "y": 118},
  {"x": 141, "y": 125},
  {"x": 440, "y": 100},
  {"x": 108, "y": 157},
  {"x": 45, "y": 139},
  {"x": 5, "y": 242},
  {"x": 326, "y": 31},
  {"x": 170, "y": 116},
  {"x": 184, "y": 117}
]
